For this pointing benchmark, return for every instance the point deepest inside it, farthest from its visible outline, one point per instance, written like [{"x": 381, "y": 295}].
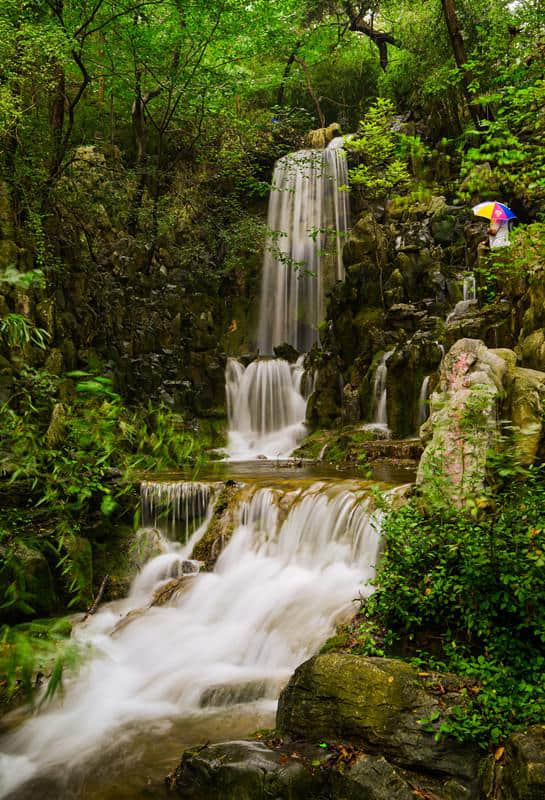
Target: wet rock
[
  {"x": 377, "y": 703},
  {"x": 221, "y": 526},
  {"x": 242, "y": 771},
  {"x": 371, "y": 778},
  {"x": 147, "y": 544},
  {"x": 287, "y": 352}
]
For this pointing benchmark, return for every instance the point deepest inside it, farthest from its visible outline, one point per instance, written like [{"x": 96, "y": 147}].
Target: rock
[
  {"x": 527, "y": 403},
  {"x": 221, "y": 526},
  {"x": 523, "y": 776},
  {"x": 350, "y": 405},
  {"x": 377, "y": 703},
  {"x": 287, "y": 352},
  {"x": 371, "y": 778},
  {"x": 463, "y": 420},
  {"x": 321, "y": 137},
  {"x": 147, "y": 544},
  {"x": 533, "y": 350},
  {"x": 243, "y": 771},
  {"x": 366, "y": 239}
]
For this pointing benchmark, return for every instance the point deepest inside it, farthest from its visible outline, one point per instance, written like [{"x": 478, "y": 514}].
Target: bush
[{"x": 475, "y": 585}]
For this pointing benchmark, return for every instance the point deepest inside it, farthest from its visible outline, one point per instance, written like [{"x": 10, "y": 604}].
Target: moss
[{"x": 221, "y": 526}]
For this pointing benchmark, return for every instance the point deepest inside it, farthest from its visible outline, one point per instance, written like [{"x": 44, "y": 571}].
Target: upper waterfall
[{"x": 307, "y": 221}]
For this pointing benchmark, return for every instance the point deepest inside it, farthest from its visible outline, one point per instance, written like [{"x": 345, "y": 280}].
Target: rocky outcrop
[
  {"x": 221, "y": 526},
  {"x": 321, "y": 137},
  {"x": 478, "y": 387},
  {"x": 380, "y": 704},
  {"x": 463, "y": 420}
]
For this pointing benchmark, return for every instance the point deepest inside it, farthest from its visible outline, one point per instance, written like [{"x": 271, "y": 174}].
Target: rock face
[
  {"x": 479, "y": 386},
  {"x": 463, "y": 419},
  {"x": 523, "y": 776},
  {"x": 377, "y": 703}
]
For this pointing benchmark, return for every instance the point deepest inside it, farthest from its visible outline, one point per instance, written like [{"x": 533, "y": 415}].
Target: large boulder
[
  {"x": 379, "y": 704},
  {"x": 463, "y": 420}
]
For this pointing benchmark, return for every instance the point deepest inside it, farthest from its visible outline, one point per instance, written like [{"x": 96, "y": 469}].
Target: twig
[{"x": 93, "y": 608}]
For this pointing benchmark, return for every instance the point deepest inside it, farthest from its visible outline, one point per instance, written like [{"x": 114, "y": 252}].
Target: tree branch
[{"x": 381, "y": 38}]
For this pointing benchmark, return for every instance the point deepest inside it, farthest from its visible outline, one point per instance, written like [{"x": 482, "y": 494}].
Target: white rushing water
[
  {"x": 288, "y": 574},
  {"x": 265, "y": 408},
  {"x": 423, "y": 410},
  {"x": 171, "y": 505},
  {"x": 380, "y": 393},
  {"x": 308, "y": 219}
]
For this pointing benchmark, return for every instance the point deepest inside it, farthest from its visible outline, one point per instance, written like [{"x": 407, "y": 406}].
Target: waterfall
[
  {"x": 265, "y": 408},
  {"x": 423, "y": 410},
  {"x": 380, "y": 392},
  {"x": 170, "y": 506},
  {"x": 288, "y": 574},
  {"x": 307, "y": 209},
  {"x": 470, "y": 287}
]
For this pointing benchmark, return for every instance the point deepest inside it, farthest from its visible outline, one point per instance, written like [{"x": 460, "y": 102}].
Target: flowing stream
[{"x": 223, "y": 646}]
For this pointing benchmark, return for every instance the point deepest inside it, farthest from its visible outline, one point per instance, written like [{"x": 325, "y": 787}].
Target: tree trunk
[{"x": 459, "y": 50}]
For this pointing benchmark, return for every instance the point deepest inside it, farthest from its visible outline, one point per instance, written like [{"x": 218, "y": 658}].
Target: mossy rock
[
  {"x": 378, "y": 704},
  {"x": 221, "y": 527}
]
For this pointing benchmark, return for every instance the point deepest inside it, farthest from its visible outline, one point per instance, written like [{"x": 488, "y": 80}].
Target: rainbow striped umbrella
[{"x": 493, "y": 210}]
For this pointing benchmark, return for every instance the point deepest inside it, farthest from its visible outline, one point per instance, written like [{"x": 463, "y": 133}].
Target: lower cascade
[
  {"x": 265, "y": 408},
  {"x": 232, "y": 637},
  {"x": 171, "y": 505}
]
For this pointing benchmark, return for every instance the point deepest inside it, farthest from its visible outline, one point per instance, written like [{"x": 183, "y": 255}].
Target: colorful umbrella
[{"x": 493, "y": 210}]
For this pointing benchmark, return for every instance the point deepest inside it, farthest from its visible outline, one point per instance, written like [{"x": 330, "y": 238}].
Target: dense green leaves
[{"x": 467, "y": 594}]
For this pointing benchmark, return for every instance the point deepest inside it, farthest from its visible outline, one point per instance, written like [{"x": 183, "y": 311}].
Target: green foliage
[
  {"x": 35, "y": 649},
  {"x": 475, "y": 584},
  {"x": 17, "y": 330},
  {"x": 503, "y": 268},
  {"x": 379, "y": 171}
]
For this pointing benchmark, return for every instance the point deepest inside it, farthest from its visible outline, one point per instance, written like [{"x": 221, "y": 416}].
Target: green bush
[{"x": 475, "y": 586}]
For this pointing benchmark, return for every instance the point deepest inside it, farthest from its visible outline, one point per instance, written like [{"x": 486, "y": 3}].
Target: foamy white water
[
  {"x": 288, "y": 574},
  {"x": 308, "y": 215},
  {"x": 265, "y": 409}
]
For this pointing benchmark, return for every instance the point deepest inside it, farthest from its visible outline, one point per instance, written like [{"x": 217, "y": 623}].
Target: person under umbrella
[{"x": 500, "y": 217}]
